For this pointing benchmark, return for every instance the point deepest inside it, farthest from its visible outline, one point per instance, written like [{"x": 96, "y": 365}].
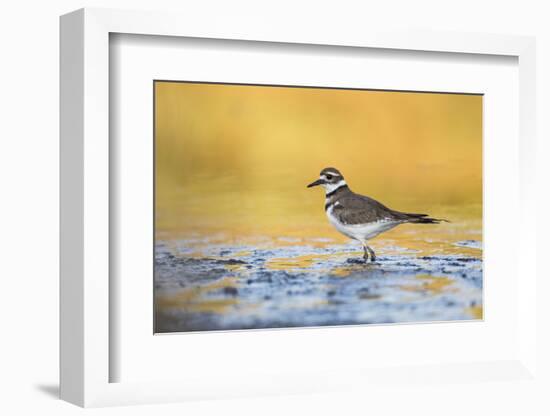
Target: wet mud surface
[{"x": 205, "y": 285}]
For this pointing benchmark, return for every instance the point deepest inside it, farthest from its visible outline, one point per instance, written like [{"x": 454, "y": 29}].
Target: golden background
[{"x": 236, "y": 159}]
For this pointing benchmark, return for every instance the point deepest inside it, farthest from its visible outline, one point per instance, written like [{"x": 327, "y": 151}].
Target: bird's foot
[{"x": 371, "y": 253}]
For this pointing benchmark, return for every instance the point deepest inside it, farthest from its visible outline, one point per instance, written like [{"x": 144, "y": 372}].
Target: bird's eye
[{"x": 329, "y": 177}]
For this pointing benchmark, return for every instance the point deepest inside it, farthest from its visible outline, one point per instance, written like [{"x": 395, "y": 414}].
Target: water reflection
[
  {"x": 216, "y": 282},
  {"x": 240, "y": 243}
]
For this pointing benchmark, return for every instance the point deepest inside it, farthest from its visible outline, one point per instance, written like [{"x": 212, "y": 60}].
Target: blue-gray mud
[{"x": 230, "y": 287}]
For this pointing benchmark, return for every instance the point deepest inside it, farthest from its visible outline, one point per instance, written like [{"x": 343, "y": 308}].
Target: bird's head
[{"x": 330, "y": 179}]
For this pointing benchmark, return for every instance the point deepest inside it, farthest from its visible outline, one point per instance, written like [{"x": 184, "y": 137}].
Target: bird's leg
[
  {"x": 366, "y": 255},
  {"x": 371, "y": 252}
]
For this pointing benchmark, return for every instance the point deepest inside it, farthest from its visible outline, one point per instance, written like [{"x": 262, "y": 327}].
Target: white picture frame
[{"x": 85, "y": 212}]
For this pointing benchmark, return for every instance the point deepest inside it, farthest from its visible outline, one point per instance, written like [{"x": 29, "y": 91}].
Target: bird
[{"x": 360, "y": 217}]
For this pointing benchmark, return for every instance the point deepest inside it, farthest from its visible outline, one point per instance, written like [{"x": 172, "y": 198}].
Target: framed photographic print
[{"x": 259, "y": 212}]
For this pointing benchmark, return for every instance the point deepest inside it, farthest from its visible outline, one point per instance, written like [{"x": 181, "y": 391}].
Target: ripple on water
[{"x": 202, "y": 284}]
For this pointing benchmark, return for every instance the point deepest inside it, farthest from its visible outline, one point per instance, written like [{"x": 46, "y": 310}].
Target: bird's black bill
[{"x": 317, "y": 182}]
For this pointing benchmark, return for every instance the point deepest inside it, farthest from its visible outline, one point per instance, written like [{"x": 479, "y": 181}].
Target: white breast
[{"x": 361, "y": 232}]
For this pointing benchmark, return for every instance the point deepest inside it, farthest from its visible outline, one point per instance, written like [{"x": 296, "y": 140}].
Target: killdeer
[{"x": 360, "y": 217}]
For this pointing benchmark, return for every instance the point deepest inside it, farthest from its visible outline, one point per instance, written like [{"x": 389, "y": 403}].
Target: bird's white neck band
[{"x": 330, "y": 187}]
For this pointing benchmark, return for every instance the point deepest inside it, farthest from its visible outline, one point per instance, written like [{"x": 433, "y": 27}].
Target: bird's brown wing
[{"x": 359, "y": 209}]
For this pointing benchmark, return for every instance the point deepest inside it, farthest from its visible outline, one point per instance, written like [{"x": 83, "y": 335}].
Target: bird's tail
[{"x": 421, "y": 218}]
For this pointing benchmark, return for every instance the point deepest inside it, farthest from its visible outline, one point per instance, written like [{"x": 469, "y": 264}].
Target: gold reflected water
[
  {"x": 238, "y": 158},
  {"x": 193, "y": 299},
  {"x": 430, "y": 284},
  {"x": 232, "y": 164}
]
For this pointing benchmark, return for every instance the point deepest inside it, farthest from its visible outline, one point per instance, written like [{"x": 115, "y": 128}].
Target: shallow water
[
  {"x": 219, "y": 282},
  {"x": 242, "y": 243}
]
